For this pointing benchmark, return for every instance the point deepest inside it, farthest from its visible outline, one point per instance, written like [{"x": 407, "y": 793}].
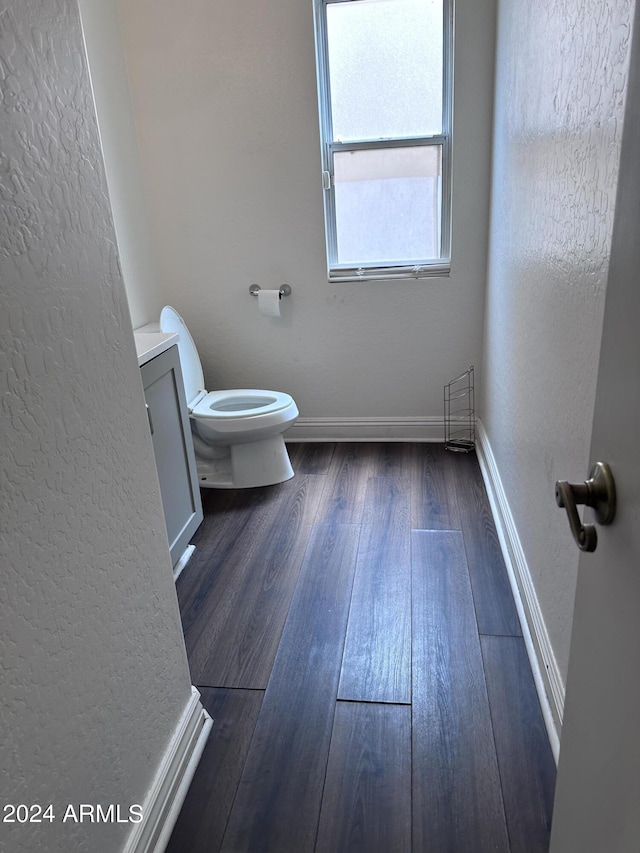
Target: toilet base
[{"x": 245, "y": 466}]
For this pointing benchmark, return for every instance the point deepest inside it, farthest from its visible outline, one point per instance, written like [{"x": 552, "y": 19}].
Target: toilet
[{"x": 237, "y": 435}]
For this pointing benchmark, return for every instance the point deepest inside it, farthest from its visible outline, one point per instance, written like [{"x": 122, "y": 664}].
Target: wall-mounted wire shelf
[{"x": 459, "y": 413}]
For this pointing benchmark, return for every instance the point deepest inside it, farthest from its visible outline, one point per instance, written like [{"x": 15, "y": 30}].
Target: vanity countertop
[{"x": 151, "y": 344}]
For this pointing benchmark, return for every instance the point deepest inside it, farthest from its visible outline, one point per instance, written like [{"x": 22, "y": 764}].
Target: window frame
[{"x": 419, "y": 268}]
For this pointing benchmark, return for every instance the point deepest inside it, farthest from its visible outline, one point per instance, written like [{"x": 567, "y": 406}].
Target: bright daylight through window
[{"x": 384, "y": 83}]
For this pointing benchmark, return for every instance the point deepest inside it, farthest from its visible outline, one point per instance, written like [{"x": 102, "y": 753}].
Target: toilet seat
[
  {"x": 223, "y": 408},
  {"x": 239, "y": 403}
]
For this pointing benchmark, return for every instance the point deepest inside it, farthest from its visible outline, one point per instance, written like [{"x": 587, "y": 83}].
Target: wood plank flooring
[{"x": 353, "y": 635}]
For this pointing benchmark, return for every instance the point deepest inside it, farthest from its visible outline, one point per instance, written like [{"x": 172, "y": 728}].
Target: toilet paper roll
[{"x": 269, "y": 303}]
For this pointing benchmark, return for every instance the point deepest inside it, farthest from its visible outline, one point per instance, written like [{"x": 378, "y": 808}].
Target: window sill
[{"x": 438, "y": 270}]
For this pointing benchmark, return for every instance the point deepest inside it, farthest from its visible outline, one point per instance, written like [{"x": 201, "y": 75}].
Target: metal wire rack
[{"x": 459, "y": 413}]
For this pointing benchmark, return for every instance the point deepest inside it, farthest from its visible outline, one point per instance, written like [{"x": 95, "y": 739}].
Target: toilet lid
[{"x": 192, "y": 375}]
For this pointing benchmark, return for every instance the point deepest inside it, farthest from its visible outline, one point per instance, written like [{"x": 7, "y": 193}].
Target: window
[{"x": 385, "y": 96}]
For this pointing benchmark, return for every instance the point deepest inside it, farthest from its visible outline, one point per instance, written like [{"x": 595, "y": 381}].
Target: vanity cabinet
[{"x": 173, "y": 448}]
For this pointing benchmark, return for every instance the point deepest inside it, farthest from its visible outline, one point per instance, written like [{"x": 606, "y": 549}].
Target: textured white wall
[
  {"x": 560, "y": 80},
  {"x": 92, "y": 663},
  {"x": 225, "y": 102}
]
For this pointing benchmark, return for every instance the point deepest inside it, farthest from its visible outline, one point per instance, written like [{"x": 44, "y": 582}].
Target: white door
[{"x": 597, "y": 808}]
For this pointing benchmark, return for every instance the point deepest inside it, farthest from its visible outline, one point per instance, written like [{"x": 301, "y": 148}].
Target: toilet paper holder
[{"x": 285, "y": 290}]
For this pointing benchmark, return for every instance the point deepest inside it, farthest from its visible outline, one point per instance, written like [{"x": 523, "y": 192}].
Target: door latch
[{"x": 598, "y": 492}]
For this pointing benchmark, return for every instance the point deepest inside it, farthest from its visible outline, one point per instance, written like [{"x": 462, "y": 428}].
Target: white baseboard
[
  {"x": 367, "y": 429},
  {"x": 182, "y": 562},
  {"x": 169, "y": 788},
  {"x": 546, "y": 673}
]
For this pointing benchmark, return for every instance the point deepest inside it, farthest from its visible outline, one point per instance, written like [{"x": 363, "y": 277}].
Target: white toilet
[{"x": 237, "y": 435}]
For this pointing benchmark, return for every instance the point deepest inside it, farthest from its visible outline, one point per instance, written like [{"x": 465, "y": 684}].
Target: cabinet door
[{"x": 173, "y": 447}]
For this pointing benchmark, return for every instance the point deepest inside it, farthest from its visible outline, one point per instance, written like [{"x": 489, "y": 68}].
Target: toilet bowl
[{"x": 237, "y": 434}]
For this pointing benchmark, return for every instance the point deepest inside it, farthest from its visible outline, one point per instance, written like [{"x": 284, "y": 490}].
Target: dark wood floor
[{"x": 355, "y": 640}]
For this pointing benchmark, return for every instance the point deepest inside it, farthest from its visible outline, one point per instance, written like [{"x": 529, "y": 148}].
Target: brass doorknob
[{"x": 598, "y": 492}]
